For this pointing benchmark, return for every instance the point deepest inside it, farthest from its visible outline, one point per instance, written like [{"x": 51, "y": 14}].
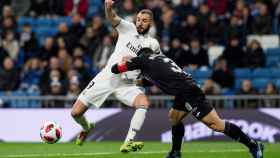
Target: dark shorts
[{"x": 192, "y": 100}]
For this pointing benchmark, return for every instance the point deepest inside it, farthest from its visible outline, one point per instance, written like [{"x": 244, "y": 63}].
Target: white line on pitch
[{"x": 112, "y": 153}]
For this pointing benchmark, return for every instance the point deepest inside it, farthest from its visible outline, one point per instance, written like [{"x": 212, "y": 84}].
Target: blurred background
[{"x": 51, "y": 49}]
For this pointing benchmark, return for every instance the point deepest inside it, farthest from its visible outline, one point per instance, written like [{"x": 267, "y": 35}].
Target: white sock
[
  {"x": 136, "y": 123},
  {"x": 83, "y": 122}
]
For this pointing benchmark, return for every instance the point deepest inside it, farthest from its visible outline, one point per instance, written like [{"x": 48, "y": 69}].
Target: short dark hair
[
  {"x": 145, "y": 51},
  {"x": 147, "y": 11}
]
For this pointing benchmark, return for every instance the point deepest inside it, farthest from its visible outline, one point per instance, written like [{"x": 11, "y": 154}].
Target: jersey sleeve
[
  {"x": 135, "y": 63},
  {"x": 155, "y": 46},
  {"x": 125, "y": 26}
]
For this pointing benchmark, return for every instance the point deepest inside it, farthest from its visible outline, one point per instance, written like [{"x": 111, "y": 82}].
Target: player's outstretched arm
[
  {"x": 130, "y": 65},
  {"x": 111, "y": 14}
]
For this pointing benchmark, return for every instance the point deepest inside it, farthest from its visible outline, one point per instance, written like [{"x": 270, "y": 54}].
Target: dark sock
[
  {"x": 178, "y": 132},
  {"x": 237, "y": 134}
]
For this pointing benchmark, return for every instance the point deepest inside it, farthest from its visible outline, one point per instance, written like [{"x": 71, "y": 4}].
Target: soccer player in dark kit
[{"x": 189, "y": 98}]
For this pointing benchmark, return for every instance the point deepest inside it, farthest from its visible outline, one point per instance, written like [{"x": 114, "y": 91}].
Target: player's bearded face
[{"x": 143, "y": 23}]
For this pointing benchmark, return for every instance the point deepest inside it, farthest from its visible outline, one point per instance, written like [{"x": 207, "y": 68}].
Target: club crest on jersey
[{"x": 133, "y": 48}]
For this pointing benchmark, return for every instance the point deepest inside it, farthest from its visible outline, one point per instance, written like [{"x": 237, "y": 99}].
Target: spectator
[
  {"x": 191, "y": 29},
  {"x": 9, "y": 76},
  {"x": 247, "y": 19},
  {"x": 3, "y": 53},
  {"x": 239, "y": 7},
  {"x": 56, "y": 7},
  {"x": 196, "y": 55},
  {"x": 80, "y": 53},
  {"x": 83, "y": 71},
  {"x": 218, "y": 6},
  {"x": 167, "y": 29},
  {"x": 262, "y": 24},
  {"x": 28, "y": 42},
  {"x": 55, "y": 90},
  {"x": 53, "y": 70},
  {"x": 32, "y": 74},
  {"x": 103, "y": 52},
  {"x": 203, "y": 14},
  {"x": 76, "y": 29},
  {"x": 48, "y": 50},
  {"x": 233, "y": 53},
  {"x": 271, "y": 89},
  {"x": 223, "y": 75},
  {"x": 11, "y": 45},
  {"x": 127, "y": 10},
  {"x": 236, "y": 29},
  {"x": 74, "y": 87},
  {"x": 213, "y": 30},
  {"x": 99, "y": 28},
  {"x": 72, "y": 7},
  {"x": 64, "y": 36},
  {"x": 247, "y": 89},
  {"x": 177, "y": 53},
  {"x": 8, "y": 24},
  {"x": 211, "y": 88},
  {"x": 184, "y": 9},
  {"x": 254, "y": 56},
  {"x": 64, "y": 59},
  {"x": 90, "y": 40}
]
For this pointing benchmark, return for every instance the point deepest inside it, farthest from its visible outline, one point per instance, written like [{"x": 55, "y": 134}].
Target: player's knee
[
  {"x": 173, "y": 119},
  {"x": 78, "y": 109},
  {"x": 75, "y": 114},
  {"x": 142, "y": 101},
  {"x": 217, "y": 126}
]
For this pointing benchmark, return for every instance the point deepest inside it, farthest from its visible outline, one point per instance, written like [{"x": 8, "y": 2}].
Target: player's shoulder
[
  {"x": 126, "y": 26},
  {"x": 153, "y": 44}
]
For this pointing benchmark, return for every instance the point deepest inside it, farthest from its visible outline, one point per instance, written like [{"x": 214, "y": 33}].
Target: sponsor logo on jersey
[{"x": 133, "y": 48}]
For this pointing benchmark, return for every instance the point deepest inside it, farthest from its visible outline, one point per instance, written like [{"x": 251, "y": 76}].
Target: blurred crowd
[{"x": 64, "y": 63}]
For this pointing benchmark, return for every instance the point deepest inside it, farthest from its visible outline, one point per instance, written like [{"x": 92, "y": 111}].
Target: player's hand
[{"x": 109, "y": 4}]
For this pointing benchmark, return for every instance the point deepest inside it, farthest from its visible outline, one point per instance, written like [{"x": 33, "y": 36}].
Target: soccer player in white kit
[{"x": 131, "y": 38}]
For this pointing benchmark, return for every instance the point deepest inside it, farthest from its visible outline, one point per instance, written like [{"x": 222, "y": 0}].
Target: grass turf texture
[{"x": 111, "y": 150}]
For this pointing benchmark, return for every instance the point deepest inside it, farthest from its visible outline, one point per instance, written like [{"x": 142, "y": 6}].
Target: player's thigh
[
  {"x": 132, "y": 96},
  {"x": 176, "y": 116},
  {"x": 95, "y": 93},
  {"x": 213, "y": 121}
]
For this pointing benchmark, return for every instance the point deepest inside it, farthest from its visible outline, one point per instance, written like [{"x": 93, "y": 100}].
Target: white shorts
[{"x": 102, "y": 86}]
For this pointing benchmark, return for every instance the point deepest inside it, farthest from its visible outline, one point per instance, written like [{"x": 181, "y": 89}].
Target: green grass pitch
[{"x": 111, "y": 150}]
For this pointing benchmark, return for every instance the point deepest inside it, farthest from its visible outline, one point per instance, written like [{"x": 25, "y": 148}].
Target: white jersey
[
  {"x": 128, "y": 44},
  {"x": 119, "y": 85}
]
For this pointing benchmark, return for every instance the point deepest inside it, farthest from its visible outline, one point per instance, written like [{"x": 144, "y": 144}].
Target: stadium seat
[
  {"x": 43, "y": 22},
  {"x": 18, "y": 103},
  {"x": 272, "y": 61},
  {"x": 242, "y": 73},
  {"x": 57, "y": 21},
  {"x": 262, "y": 73},
  {"x": 277, "y": 83},
  {"x": 260, "y": 83},
  {"x": 202, "y": 74},
  {"x": 34, "y": 103},
  {"x": 275, "y": 73},
  {"x": 237, "y": 84},
  {"x": 22, "y": 20},
  {"x": 273, "y": 52}
]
